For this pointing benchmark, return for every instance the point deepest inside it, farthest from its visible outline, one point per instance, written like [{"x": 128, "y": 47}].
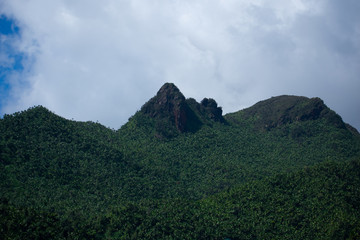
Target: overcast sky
[{"x": 102, "y": 60}]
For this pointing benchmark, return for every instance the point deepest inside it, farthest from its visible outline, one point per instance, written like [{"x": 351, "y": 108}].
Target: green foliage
[
  {"x": 229, "y": 177},
  {"x": 282, "y": 110},
  {"x": 320, "y": 202}
]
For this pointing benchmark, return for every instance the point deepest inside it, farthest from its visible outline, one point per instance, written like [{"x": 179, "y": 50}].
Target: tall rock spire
[{"x": 169, "y": 106}]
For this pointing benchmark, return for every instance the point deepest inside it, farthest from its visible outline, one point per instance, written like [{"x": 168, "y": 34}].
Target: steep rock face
[
  {"x": 211, "y": 109},
  {"x": 170, "y": 106},
  {"x": 168, "y": 99},
  {"x": 168, "y": 103},
  {"x": 171, "y": 109}
]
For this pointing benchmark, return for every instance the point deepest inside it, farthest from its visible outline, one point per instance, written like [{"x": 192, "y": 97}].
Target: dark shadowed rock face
[
  {"x": 211, "y": 109},
  {"x": 169, "y": 102},
  {"x": 169, "y": 105},
  {"x": 170, "y": 109}
]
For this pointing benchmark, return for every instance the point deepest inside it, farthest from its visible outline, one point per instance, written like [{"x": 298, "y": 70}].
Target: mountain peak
[
  {"x": 167, "y": 100},
  {"x": 284, "y": 109},
  {"x": 169, "y": 89},
  {"x": 172, "y": 111}
]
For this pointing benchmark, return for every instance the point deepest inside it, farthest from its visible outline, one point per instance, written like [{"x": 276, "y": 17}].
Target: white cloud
[{"x": 92, "y": 60}]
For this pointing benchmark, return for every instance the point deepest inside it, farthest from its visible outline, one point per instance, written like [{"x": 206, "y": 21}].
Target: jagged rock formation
[
  {"x": 170, "y": 109},
  {"x": 169, "y": 103},
  {"x": 212, "y": 110}
]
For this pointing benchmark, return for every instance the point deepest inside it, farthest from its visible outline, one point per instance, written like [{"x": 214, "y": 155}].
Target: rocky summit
[{"x": 170, "y": 107}]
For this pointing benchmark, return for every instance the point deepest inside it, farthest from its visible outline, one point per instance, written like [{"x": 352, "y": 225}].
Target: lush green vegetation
[
  {"x": 321, "y": 202},
  {"x": 286, "y": 168}
]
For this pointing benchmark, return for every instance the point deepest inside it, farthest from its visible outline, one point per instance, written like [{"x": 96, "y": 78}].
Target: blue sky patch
[
  {"x": 8, "y": 26},
  {"x": 10, "y": 58}
]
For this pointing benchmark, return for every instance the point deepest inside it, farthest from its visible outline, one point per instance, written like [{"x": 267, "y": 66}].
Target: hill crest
[{"x": 286, "y": 109}]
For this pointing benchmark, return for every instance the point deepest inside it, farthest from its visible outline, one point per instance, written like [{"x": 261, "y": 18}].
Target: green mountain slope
[
  {"x": 77, "y": 173},
  {"x": 314, "y": 203},
  {"x": 319, "y": 202}
]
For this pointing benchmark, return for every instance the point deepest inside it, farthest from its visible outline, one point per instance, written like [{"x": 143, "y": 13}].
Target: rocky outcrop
[
  {"x": 211, "y": 109},
  {"x": 169, "y": 103},
  {"x": 170, "y": 109}
]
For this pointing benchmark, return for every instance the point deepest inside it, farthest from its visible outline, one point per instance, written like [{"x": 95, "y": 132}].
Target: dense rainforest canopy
[{"x": 286, "y": 168}]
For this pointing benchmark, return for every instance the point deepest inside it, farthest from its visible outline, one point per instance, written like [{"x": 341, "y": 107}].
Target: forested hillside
[{"x": 285, "y": 168}]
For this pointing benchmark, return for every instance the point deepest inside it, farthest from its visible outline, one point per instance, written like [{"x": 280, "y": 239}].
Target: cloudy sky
[{"x": 102, "y": 60}]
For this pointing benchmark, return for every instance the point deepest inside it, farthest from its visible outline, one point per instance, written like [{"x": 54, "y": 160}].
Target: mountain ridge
[
  {"x": 176, "y": 170},
  {"x": 169, "y": 106}
]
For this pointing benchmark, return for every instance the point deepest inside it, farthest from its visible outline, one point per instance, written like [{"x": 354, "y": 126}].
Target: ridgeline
[{"x": 286, "y": 168}]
